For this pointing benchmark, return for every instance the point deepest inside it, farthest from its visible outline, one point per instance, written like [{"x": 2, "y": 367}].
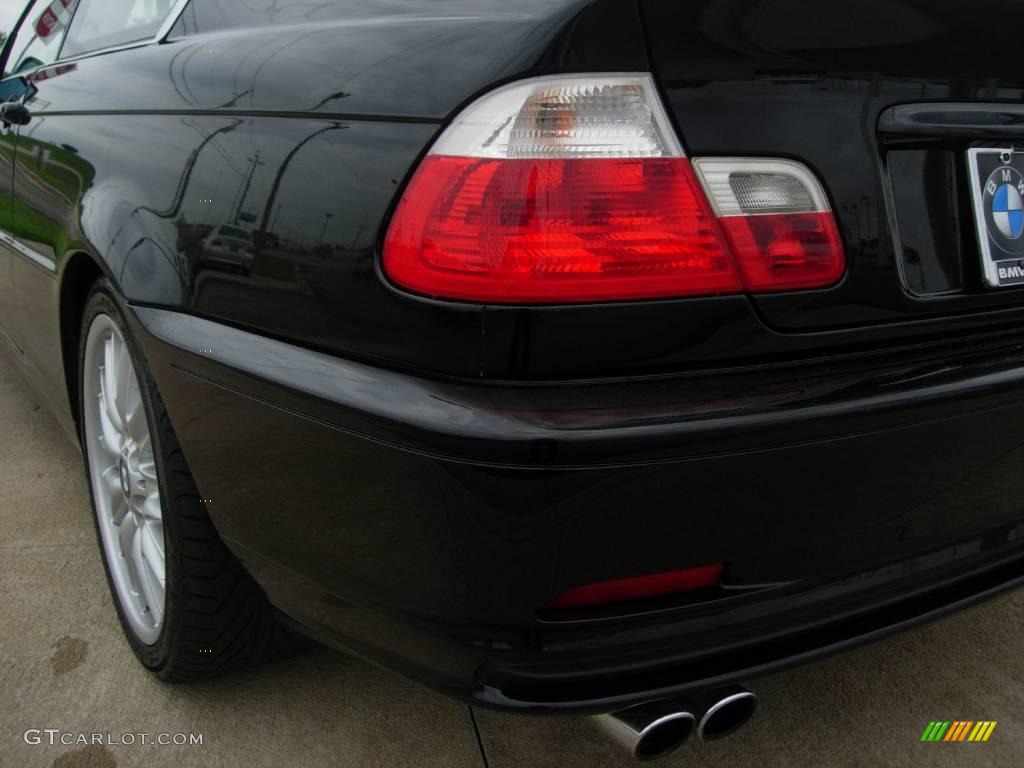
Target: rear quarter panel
[{"x": 302, "y": 134}]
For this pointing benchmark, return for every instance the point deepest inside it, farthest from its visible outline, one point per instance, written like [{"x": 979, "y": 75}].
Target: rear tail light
[
  {"x": 639, "y": 588},
  {"x": 777, "y": 220},
  {"x": 575, "y": 189}
]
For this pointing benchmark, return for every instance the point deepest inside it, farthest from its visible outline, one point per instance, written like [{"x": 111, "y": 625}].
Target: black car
[{"x": 588, "y": 355}]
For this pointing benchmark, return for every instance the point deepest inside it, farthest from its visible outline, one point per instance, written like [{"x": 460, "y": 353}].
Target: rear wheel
[{"x": 187, "y": 606}]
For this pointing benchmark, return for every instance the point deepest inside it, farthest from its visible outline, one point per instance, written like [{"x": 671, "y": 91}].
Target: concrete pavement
[{"x": 64, "y": 664}]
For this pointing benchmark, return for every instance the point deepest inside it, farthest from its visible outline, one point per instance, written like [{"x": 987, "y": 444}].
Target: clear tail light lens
[{"x": 575, "y": 189}]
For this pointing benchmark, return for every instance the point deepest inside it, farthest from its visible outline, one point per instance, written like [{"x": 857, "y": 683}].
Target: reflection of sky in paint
[{"x": 9, "y": 11}]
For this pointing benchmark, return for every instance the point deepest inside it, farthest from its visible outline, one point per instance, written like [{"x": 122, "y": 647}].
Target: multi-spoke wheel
[
  {"x": 123, "y": 474},
  {"x": 188, "y": 607}
]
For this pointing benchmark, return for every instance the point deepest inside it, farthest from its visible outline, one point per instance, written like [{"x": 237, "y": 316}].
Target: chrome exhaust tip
[
  {"x": 728, "y": 711},
  {"x": 649, "y": 731}
]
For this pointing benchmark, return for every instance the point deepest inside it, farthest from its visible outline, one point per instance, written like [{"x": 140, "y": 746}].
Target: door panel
[
  {"x": 50, "y": 180},
  {"x": 30, "y": 302}
]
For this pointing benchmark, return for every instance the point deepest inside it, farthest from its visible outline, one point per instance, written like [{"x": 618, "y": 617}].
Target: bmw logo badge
[
  {"x": 1008, "y": 211},
  {"x": 1004, "y": 204}
]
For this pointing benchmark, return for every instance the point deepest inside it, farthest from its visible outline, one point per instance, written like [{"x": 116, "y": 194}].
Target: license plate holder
[{"x": 997, "y": 188}]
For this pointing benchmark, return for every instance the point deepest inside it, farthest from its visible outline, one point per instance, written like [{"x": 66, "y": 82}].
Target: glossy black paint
[
  {"x": 424, "y": 524},
  {"x": 598, "y": 424},
  {"x": 816, "y": 83},
  {"x": 421, "y": 477},
  {"x": 200, "y": 118}
]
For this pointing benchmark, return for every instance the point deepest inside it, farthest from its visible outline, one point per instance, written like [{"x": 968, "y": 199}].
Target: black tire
[{"x": 216, "y": 618}]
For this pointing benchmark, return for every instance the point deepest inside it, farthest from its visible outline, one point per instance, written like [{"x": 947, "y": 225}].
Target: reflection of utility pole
[
  {"x": 183, "y": 182},
  {"x": 284, "y": 167},
  {"x": 359, "y": 233},
  {"x": 172, "y": 211},
  {"x": 254, "y": 161},
  {"x": 327, "y": 218}
]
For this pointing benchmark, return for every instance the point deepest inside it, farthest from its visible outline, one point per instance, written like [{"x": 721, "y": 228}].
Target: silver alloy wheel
[{"x": 122, "y": 471}]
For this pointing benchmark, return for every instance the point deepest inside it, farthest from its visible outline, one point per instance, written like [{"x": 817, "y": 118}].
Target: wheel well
[{"x": 79, "y": 275}]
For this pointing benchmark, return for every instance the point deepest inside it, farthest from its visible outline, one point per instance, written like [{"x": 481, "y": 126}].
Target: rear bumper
[
  {"x": 422, "y": 524},
  {"x": 777, "y": 633}
]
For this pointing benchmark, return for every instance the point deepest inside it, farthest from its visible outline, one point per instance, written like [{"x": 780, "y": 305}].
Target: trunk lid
[{"x": 827, "y": 85}]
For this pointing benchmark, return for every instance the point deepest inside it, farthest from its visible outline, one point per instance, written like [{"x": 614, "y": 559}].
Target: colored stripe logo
[{"x": 958, "y": 730}]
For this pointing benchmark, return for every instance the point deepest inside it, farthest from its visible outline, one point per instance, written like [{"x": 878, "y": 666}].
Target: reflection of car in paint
[{"x": 227, "y": 247}]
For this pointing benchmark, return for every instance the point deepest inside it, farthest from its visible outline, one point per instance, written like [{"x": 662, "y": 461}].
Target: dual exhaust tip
[{"x": 658, "y": 728}]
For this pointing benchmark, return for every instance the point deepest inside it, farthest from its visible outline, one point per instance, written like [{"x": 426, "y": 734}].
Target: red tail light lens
[
  {"x": 557, "y": 230},
  {"x": 786, "y": 252},
  {"x": 575, "y": 189},
  {"x": 639, "y": 588}
]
